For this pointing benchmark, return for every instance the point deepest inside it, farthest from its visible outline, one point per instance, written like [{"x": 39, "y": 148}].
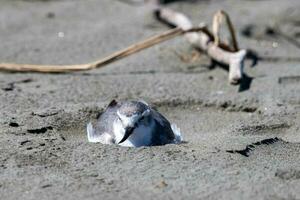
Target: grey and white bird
[{"x": 133, "y": 124}]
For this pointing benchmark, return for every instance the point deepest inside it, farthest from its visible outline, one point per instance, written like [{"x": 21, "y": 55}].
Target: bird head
[{"x": 131, "y": 115}]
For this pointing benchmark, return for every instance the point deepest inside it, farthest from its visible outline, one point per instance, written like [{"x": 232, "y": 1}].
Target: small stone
[{"x": 161, "y": 184}]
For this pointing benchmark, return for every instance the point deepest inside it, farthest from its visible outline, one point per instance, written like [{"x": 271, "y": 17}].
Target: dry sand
[{"x": 242, "y": 142}]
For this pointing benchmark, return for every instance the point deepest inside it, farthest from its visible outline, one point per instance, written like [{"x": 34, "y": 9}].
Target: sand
[{"x": 241, "y": 142}]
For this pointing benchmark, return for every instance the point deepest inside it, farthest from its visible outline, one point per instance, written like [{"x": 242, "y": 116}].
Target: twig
[
  {"x": 206, "y": 41},
  {"x": 111, "y": 58},
  {"x": 218, "y": 19}
]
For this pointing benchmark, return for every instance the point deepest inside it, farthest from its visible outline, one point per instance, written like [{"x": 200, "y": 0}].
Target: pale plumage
[{"x": 132, "y": 124}]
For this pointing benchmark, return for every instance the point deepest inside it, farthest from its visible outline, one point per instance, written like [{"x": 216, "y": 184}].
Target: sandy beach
[{"x": 241, "y": 141}]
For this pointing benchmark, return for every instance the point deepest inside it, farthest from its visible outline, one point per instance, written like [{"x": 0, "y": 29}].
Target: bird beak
[{"x": 128, "y": 132}]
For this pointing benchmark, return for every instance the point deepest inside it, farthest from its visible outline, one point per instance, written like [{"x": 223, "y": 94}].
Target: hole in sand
[
  {"x": 13, "y": 124},
  {"x": 196, "y": 121},
  {"x": 251, "y": 147},
  {"x": 40, "y": 130}
]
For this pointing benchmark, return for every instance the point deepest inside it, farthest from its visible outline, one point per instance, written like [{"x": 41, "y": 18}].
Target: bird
[{"x": 132, "y": 124}]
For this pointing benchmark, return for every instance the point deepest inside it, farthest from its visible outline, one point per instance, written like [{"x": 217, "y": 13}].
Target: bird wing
[
  {"x": 91, "y": 134},
  {"x": 103, "y": 130},
  {"x": 164, "y": 133}
]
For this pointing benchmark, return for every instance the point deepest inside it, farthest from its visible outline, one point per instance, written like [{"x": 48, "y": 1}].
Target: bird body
[{"x": 132, "y": 124}]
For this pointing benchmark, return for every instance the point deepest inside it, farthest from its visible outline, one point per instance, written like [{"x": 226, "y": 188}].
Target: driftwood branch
[
  {"x": 218, "y": 19},
  {"x": 12, "y": 67},
  {"x": 200, "y": 37},
  {"x": 209, "y": 42}
]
